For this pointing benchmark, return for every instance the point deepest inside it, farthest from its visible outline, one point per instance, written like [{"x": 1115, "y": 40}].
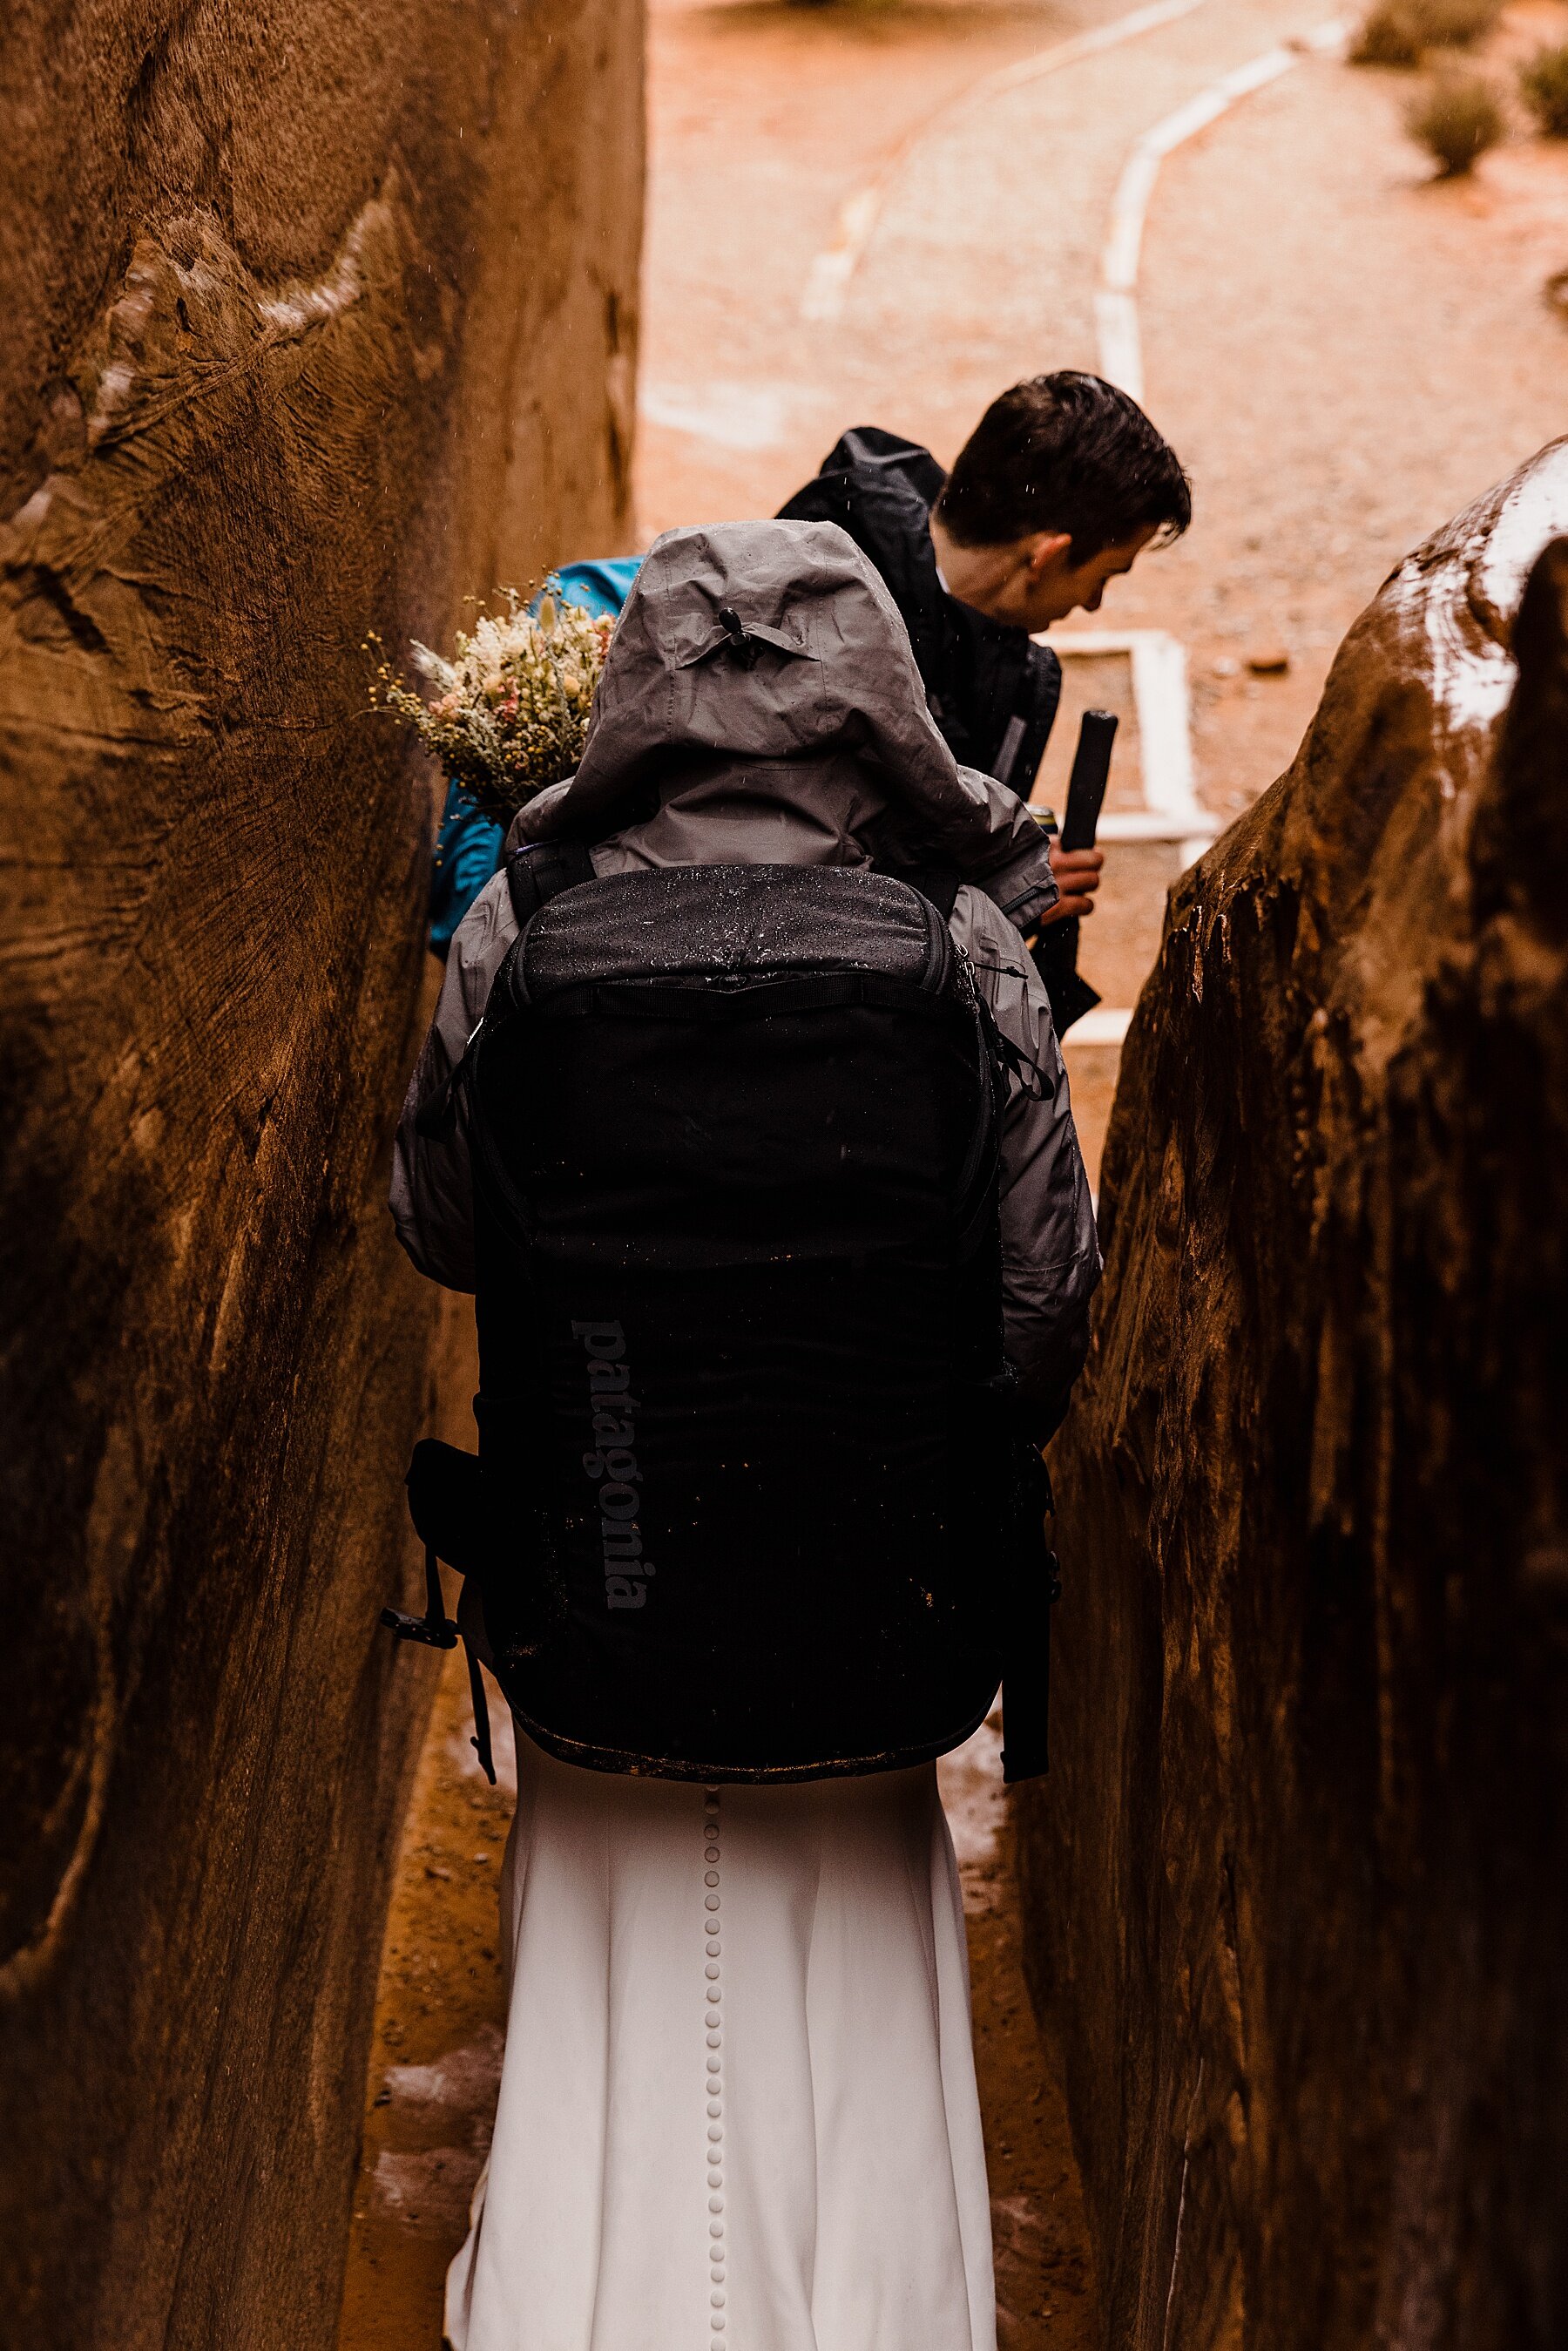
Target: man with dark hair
[{"x": 1060, "y": 488}]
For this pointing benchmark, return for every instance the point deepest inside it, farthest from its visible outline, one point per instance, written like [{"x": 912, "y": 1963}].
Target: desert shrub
[
  {"x": 1544, "y": 81},
  {"x": 1455, "y": 24},
  {"x": 1400, "y": 32},
  {"x": 1455, "y": 119},
  {"x": 1389, "y": 36}
]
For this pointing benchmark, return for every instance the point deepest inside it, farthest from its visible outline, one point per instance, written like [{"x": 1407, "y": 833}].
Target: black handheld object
[
  {"x": 1055, "y": 950},
  {"x": 1091, "y": 774}
]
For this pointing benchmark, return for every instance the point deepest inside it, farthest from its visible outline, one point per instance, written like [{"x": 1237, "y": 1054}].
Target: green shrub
[
  {"x": 1455, "y": 119},
  {"x": 1400, "y": 32},
  {"x": 1544, "y": 81}
]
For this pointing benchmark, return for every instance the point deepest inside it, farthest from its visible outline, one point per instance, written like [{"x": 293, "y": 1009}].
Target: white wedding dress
[{"x": 738, "y": 2111}]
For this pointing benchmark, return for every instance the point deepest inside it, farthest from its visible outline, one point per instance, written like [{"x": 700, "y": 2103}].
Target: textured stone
[
  {"x": 318, "y": 316},
  {"x": 1296, "y": 1889}
]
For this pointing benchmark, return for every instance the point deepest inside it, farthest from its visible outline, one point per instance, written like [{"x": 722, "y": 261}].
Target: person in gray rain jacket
[
  {"x": 738, "y": 2105},
  {"x": 842, "y": 765}
]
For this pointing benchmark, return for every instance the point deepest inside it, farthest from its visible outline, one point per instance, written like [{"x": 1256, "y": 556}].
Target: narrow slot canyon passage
[
  {"x": 1294, "y": 256},
  {"x": 317, "y": 341}
]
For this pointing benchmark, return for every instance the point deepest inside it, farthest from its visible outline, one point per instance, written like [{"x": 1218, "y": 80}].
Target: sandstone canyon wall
[
  {"x": 1296, "y": 1885},
  {"x": 318, "y": 316}
]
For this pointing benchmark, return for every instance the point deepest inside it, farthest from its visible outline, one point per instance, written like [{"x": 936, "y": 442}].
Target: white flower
[{"x": 430, "y": 666}]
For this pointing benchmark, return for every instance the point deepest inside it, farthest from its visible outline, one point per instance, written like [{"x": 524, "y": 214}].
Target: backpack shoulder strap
[
  {"x": 533, "y": 875},
  {"x": 938, "y": 884},
  {"x": 536, "y": 874}
]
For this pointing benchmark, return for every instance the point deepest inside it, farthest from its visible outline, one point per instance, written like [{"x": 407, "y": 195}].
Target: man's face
[
  {"x": 1027, "y": 584},
  {"x": 1051, "y": 584}
]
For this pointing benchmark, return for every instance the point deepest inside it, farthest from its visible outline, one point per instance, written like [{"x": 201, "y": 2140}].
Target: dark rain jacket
[{"x": 991, "y": 688}]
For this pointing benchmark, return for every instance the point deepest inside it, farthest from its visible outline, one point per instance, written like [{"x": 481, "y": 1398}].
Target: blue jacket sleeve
[
  {"x": 467, "y": 852},
  {"x": 603, "y": 587}
]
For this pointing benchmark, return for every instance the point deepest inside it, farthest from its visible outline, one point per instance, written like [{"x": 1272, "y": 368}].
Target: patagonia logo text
[{"x": 613, "y": 1464}]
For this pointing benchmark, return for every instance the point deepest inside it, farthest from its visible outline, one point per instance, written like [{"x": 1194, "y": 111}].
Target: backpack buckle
[{"x": 435, "y": 1627}]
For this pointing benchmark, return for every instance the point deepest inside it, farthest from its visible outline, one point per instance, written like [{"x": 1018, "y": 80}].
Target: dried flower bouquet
[{"x": 511, "y": 705}]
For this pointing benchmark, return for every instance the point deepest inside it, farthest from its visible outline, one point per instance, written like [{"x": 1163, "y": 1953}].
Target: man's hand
[{"x": 1078, "y": 872}]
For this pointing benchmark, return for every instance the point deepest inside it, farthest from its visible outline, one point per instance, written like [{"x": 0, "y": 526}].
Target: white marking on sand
[
  {"x": 1107, "y": 1024},
  {"x": 1165, "y": 733},
  {"x": 828, "y": 280},
  {"x": 1115, "y": 298},
  {"x": 1171, "y": 810}
]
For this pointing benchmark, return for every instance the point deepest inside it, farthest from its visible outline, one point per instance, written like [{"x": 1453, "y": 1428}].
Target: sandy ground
[
  {"x": 1343, "y": 351},
  {"x": 436, "y": 2059}
]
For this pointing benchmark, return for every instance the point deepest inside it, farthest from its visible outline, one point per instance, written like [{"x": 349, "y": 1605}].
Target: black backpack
[{"x": 754, "y": 1502}]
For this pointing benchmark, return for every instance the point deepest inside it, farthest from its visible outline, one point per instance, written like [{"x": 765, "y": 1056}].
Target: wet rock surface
[
  {"x": 314, "y": 324},
  {"x": 1295, "y": 1890}
]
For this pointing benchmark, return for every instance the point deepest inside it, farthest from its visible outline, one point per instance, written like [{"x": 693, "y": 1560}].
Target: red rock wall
[
  {"x": 318, "y": 316},
  {"x": 1297, "y": 1887}
]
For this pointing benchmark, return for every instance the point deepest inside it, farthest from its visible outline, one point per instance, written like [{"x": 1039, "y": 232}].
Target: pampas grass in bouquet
[{"x": 510, "y": 708}]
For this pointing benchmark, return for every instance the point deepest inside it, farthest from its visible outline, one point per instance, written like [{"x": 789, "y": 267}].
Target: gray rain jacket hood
[{"x": 777, "y": 642}]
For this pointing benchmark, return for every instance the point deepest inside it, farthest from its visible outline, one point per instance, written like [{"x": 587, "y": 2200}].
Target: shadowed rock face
[
  {"x": 318, "y": 316},
  {"x": 1296, "y": 1885}
]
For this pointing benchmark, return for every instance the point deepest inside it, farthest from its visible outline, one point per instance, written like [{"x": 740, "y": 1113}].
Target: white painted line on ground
[
  {"x": 828, "y": 280},
  {"x": 1107, "y": 1024},
  {"x": 1165, "y": 725},
  {"x": 1116, "y": 296},
  {"x": 1165, "y": 735},
  {"x": 1135, "y": 825},
  {"x": 1171, "y": 810}
]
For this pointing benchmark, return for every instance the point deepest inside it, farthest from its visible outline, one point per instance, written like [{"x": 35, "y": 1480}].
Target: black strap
[
  {"x": 938, "y": 884},
  {"x": 1011, "y": 743},
  {"x": 480, "y": 1742},
  {"x": 1038, "y": 1084},
  {"x": 536, "y": 874},
  {"x": 760, "y": 998},
  {"x": 435, "y": 1627},
  {"x": 447, "y": 1504},
  {"x": 1054, "y": 954}
]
